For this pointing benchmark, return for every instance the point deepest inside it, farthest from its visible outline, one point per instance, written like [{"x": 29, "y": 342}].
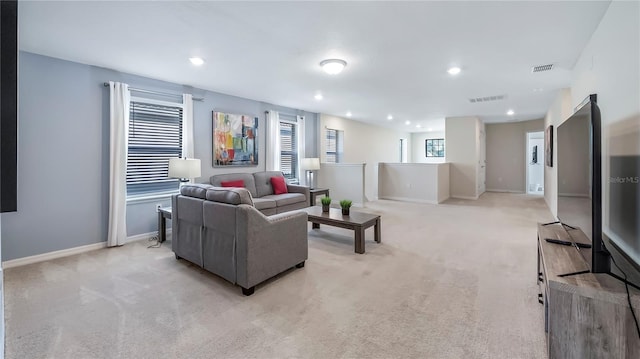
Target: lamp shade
[
  {"x": 184, "y": 167},
  {"x": 310, "y": 164}
]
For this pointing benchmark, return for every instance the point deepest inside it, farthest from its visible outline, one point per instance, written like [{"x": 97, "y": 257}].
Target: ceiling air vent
[
  {"x": 487, "y": 99},
  {"x": 541, "y": 68}
]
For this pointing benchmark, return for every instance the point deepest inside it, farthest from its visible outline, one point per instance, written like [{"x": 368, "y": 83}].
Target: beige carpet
[{"x": 455, "y": 280}]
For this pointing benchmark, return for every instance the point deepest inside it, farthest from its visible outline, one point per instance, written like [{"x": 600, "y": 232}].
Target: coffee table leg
[
  {"x": 315, "y": 225},
  {"x": 359, "y": 239},
  {"x": 378, "y": 237}
]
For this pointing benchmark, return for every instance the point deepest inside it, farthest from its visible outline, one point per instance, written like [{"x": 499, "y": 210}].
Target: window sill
[{"x": 150, "y": 197}]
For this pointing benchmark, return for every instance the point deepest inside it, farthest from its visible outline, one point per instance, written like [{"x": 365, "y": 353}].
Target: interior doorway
[{"x": 535, "y": 163}]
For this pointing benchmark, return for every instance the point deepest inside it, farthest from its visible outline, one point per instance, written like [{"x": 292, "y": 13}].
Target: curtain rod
[{"x": 106, "y": 84}]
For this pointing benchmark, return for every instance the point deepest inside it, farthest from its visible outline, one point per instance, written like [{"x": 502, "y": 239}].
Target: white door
[
  {"x": 482, "y": 161},
  {"x": 535, "y": 163}
]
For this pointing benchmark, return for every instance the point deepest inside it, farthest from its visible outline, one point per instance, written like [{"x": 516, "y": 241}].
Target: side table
[
  {"x": 316, "y": 192},
  {"x": 163, "y": 215}
]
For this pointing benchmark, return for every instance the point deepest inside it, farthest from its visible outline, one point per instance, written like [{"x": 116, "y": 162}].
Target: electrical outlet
[{"x": 158, "y": 206}]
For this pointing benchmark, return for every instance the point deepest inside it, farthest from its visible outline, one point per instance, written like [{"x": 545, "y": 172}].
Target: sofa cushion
[
  {"x": 249, "y": 182},
  {"x": 279, "y": 185},
  {"x": 230, "y": 195},
  {"x": 286, "y": 198},
  {"x": 236, "y": 183},
  {"x": 198, "y": 190},
  {"x": 264, "y": 203},
  {"x": 263, "y": 182}
]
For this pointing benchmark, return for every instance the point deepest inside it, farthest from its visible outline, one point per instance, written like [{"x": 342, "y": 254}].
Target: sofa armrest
[
  {"x": 299, "y": 189},
  {"x": 267, "y": 246}
]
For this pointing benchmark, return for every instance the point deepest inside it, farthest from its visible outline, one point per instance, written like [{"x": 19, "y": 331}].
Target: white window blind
[
  {"x": 155, "y": 135},
  {"x": 333, "y": 152},
  {"x": 288, "y": 149}
]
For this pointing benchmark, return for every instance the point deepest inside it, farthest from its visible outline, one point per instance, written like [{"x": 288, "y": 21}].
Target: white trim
[
  {"x": 53, "y": 255},
  {"x": 503, "y": 190},
  {"x": 73, "y": 251},
  {"x": 407, "y": 199},
  {"x": 466, "y": 197}
]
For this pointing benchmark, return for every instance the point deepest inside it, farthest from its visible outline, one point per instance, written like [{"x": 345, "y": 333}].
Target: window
[
  {"x": 434, "y": 147},
  {"x": 289, "y": 150},
  {"x": 403, "y": 150},
  {"x": 155, "y": 135},
  {"x": 334, "y": 146}
]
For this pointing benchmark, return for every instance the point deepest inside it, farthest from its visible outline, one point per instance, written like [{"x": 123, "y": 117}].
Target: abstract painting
[{"x": 235, "y": 140}]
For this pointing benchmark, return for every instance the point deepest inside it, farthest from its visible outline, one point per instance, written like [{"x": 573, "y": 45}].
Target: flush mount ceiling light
[
  {"x": 349, "y": 114},
  {"x": 389, "y": 117},
  {"x": 418, "y": 126},
  {"x": 510, "y": 112},
  {"x": 198, "y": 61},
  {"x": 430, "y": 129},
  {"x": 318, "y": 96},
  {"x": 454, "y": 71},
  {"x": 407, "y": 122},
  {"x": 333, "y": 66}
]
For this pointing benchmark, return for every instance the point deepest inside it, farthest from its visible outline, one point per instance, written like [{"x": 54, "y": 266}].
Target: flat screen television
[
  {"x": 579, "y": 179},
  {"x": 580, "y": 191}
]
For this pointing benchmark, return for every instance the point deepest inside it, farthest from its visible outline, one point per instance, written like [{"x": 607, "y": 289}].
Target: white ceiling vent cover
[
  {"x": 541, "y": 68},
  {"x": 487, "y": 99}
]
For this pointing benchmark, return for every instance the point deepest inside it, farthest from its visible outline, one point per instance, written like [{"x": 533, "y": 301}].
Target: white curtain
[
  {"x": 273, "y": 141},
  {"x": 119, "y": 102},
  {"x": 187, "y": 126},
  {"x": 300, "y": 139}
]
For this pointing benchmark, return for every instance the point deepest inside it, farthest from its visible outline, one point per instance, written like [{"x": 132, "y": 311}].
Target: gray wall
[
  {"x": 63, "y": 153},
  {"x": 506, "y": 157}
]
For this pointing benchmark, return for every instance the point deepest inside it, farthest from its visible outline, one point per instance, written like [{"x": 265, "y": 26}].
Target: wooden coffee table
[{"x": 356, "y": 221}]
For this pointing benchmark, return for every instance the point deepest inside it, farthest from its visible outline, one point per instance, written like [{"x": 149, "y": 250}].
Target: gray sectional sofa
[
  {"x": 259, "y": 185},
  {"x": 220, "y": 230}
]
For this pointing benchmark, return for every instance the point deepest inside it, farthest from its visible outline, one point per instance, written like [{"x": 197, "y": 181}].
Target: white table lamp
[
  {"x": 310, "y": 165},
  {"x": 184, "y": 168}
]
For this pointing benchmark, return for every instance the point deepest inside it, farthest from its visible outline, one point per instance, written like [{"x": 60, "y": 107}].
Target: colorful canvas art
[{"x": 235, "y": 140}]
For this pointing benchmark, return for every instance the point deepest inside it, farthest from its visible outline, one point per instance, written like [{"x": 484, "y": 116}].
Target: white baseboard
[
  {"x": 465, "y": 197},
  {"x": 52, "y": 255},
  {"x": 407, "y": 199},
  {"x": 75, "y": 250},
  {"x": 503, "y": 190}
]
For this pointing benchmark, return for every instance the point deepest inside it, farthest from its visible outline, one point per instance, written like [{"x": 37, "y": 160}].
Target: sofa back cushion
[
  {"x": 249, "y": 182},
  {"x": 197, "y": 190},
  {"x": 263, "y": 182},
  {"x": 231, "y": 195}
]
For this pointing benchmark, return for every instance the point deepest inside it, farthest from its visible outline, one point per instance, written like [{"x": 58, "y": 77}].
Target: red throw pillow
[
  {"x": 279, "y": 185},
  {"x": 236, "y": 183}
]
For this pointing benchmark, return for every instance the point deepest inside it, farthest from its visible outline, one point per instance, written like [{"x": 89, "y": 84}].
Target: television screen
[
  {"x": 580, "y": 179},
  {"x": 574, "y": 171}
]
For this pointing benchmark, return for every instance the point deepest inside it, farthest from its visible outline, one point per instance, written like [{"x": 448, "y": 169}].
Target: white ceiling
[{"x": 397, "y": 53}]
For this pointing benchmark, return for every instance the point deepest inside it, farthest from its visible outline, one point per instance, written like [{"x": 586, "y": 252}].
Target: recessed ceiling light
[
  {"x": 349, "y": 114},
  {"x": 318, "y": 96},
  {"x": 198, "y": 61},
  {"x": 430, "y": 129},
  {"x": 454, "y": 71},
  {"x": 418, "y": 126},
  {"x": 510, "y": 112},
  {"x": 407, "y": 122},
  {"x": 333, "y": 66},
  {"x": 389, "y": 117}
]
